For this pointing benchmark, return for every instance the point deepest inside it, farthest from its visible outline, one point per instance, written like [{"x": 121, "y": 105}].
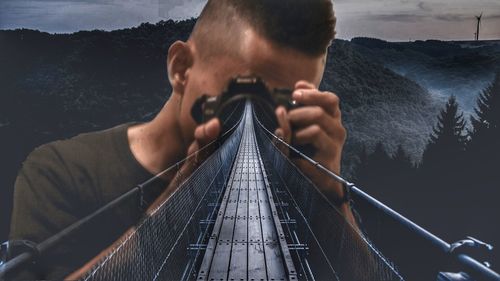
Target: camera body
[{"x": 240, "y": 89}]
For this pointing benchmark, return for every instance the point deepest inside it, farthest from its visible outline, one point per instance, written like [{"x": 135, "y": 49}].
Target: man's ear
[
  {"x": 323, "y": 59},
  {"x": 179, "y": 61}
]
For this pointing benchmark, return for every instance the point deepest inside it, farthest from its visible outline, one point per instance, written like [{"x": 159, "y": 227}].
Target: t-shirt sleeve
[
  {"x": 64, "y": 181},
  {"x": 43, "y": 198}
]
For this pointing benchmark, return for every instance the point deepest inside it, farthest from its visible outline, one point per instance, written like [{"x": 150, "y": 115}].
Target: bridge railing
[
  {"x": 164, "y": 244},
  {"x": 416, "y": 253}
]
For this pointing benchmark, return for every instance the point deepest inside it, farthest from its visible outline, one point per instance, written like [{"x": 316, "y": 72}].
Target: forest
[{"x": 457, "y": 181}]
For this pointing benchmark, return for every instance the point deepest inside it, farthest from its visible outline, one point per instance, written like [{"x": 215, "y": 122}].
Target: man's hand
[
  {"x": 203, "y": 135},
  {"x": 318, "y": 123},
  {"x": 197, "y": 152}
]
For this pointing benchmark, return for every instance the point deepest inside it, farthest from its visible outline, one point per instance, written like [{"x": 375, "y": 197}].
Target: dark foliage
[
  {"x": 386, "y": 176},
  {"x": 482, "y": 172},
  {"x": 446, "y": 144},
  {"x": 482, "y": 148},
  {"x": 456, "y": 188},
  {"x": 377, "y": 164}
]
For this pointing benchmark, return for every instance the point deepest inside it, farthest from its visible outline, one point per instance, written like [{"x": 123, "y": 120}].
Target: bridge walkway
[{"x": 247, "y": 242}]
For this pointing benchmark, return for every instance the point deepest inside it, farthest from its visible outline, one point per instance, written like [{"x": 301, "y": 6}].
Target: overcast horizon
[{"x": 392, "y": 20}]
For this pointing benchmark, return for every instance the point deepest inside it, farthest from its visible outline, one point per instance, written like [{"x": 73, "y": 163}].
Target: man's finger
[
  {"x": 306, "y": 116},
  {"x": 207, "y": 132},
  {"x": 283, "y": 123},
  {"x": 194, "y": 147},
  {"x": 328, "y": 101},
  {"x": 315, "y": 135},
  {"x": 279, "y": 133},
  {"x": 303, "y": 84}
]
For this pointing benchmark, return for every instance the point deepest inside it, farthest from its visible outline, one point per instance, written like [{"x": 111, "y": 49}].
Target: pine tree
[
  {"x": 361, "y": 171},
  {"x": 401, "y": 166},
  {"x": 442, "y": 172},
  {"x": 401, "y": 160},
  {"x": 483, "y": 154},
  {"x": 482, "y": 190},
  {"x": 402, "y": 173},
  {"x": 379, "y": 157},
  {"x": 446, "y": 145},
  {"x": 487, "y": 110},
  {"x": 380, "y": 164},
  {"x": 375, "y": 174}
]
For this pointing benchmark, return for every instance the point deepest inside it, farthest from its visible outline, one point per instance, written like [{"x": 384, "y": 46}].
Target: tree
[
  {"x": 442, "y": 173},
  {"x": 402, "y": 167},
  {"x": 373, "y": 170},
  {"x": 483, "y": 154},
  {"x": 361, "y": 170},
  {"x": 446, "y": 144},
  {"x": 401, "y": 160}
]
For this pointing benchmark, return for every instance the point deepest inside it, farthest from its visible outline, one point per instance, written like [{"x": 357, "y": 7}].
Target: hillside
[
  {"x": 461, "y": 68},
  {"x": 377, "y": 104}
]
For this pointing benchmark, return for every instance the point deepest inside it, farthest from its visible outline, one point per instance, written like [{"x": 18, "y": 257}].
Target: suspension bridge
[{"x": 248, "y": 213}]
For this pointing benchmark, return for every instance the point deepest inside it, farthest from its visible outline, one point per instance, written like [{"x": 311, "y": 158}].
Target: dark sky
[{"x": 386, "y": 19}]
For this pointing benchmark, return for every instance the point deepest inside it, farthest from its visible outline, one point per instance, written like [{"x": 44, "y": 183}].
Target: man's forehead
[
  {"x": 275, "y": 63},
  {"x": 253, "y": 54}
]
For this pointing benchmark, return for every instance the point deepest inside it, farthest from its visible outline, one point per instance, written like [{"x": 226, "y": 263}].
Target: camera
[
  {"x": 232, "y": 100},
  {"x": 238, "y": 90}
]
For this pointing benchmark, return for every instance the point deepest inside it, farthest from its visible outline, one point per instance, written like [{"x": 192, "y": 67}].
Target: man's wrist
[{"x": 340, "y": 194}]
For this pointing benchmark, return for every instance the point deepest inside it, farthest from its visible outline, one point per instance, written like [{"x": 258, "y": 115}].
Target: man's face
[{"x": 278, "y": 67}]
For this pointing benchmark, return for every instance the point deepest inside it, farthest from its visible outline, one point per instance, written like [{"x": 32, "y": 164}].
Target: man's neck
[{"x": 158, "y": 144}]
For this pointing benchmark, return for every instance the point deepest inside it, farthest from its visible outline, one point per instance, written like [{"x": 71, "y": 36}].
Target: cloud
[
  {"x": 424, "y": 7},
  {"x": 69, "y": 16},
  {"x": 464, "y": 17},
  {"x": 460, "y": 17},
  {"x": 496, "y": 16},
  {"x": 181, "y": 9},
  {"x": 453, "y": 17},
  {"x": 397, "y": 18}
]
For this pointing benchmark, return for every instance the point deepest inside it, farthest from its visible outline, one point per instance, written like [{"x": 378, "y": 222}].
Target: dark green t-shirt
[{"x": 64, "y": 181}]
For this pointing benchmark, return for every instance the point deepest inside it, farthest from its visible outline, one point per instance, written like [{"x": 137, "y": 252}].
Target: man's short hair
[{"x": 307, "y": 26}]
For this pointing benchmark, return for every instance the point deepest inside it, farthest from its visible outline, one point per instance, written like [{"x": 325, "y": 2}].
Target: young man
[{"x": 283, "y": 42}]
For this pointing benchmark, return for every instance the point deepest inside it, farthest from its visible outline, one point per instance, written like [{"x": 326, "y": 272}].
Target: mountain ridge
[{"x": 444, "y": 68}]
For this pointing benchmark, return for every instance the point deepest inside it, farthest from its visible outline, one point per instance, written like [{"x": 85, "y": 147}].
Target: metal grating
[{"x": 247, "y": 241}]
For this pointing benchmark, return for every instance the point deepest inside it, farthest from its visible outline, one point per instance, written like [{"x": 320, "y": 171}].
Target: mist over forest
[
  {"x": 54, "y": 86},
  {"x": 462, "y": 68}
]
